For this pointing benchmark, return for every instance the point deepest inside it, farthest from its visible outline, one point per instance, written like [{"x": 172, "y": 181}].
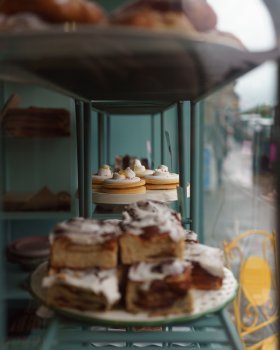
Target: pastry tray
[
  {"x": 117, "y": 63},
  {"x": 160, "y": 195},
  {"x": 157, "y": 195},
  {"x": 204, "y": 302}
]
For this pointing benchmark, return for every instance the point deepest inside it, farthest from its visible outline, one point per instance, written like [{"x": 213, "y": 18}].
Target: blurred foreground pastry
[
  {"x": 159, "y": 288},
  {"x": 188, "y": 15},
  {"x": 84, "y": 243},
  {"x": 90, "y": 289},
  {"x": 150, "y": 235},
  {"x": 56, "y": 11},
  {"x": 194, "y": 18},
  {"x": 207, "y": 266},
  {"x": 190, "y": 237}
]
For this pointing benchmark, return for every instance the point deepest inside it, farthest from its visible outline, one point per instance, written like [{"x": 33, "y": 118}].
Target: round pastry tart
[
  {"x": 140, "y": 170},
  {"x": 162, "y": 179},
  {"x": 103, "y": 173},
  {"x": 124, "y": 182}
]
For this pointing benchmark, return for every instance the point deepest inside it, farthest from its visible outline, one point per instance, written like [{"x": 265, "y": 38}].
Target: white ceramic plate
[{"x": 205, "y": 302}]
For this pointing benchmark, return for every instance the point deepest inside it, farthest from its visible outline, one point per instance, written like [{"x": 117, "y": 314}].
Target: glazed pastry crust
[
  {"x": 80, "y": 11},
  {"x": 201, "y": 279},
  {"x": 164, "y": 297},
  {"x": 149, "y": 248},
  {"x": 67, "y": 254},
  {"x": 76, "y": 298}
]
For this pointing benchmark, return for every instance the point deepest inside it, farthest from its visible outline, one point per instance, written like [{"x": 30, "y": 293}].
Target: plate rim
[{"x": 93, "y": 320}]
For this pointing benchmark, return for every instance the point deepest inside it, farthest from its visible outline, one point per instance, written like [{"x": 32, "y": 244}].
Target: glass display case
[{"x": 174, "y": 91}]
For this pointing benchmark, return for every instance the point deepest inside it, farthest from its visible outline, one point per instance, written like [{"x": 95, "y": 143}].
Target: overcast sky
[{"x": 250, "y": 21}]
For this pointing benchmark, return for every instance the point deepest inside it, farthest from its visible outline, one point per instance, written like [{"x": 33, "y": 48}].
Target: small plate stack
[{"x": 29, "y": 251}]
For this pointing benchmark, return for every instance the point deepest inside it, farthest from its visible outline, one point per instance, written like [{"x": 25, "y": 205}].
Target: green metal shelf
[{"x": 205, "y": 333}]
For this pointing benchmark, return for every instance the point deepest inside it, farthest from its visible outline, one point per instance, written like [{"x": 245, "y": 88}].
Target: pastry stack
[
  {"x": 124, "y": 182},
  {"x": 152, "y": 244},
  {"x": 104, "y": 173},
  {"x": 146, "y": 263},
  {"x": 83, "y": 265},
  {"x": 162, "y": 179}
]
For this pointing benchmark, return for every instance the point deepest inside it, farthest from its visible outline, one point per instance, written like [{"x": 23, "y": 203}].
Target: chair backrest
[{"x": 252, "y": 258}]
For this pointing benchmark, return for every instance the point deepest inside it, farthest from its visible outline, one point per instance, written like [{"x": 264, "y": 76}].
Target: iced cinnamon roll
[
  {"x": 159, "y": 288},
  {"x": 84, "y": 243}
]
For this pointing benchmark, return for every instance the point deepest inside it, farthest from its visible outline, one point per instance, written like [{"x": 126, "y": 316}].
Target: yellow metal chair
[{"x": 252, "y": 258}]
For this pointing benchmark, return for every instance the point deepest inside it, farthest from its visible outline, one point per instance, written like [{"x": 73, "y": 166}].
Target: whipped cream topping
[
  {"x": 123, "y": 176},
  {"x": 86, "y": 231},
  {"x": 105, "y": 171},
  {"x": 129, "y": 173},
  {"x": 149, "y": 272},
  {"x": 190, "y": 236},
  {"x": 138, "y": 167},
  {"x": 98, "y": 281},
  {"x": 162, "y": 171},
  {"x": 143, "y": 214},
  {"x": 209, "y": 258},
  {"x": 163, "y": 168},
  {"x": 118, "y": 176}
]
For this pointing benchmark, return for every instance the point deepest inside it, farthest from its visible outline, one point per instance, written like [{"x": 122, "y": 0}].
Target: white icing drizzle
[
  {"x": 152, "y": 214},
  {"x": 122, "y": 180},
  {"x": 98, "y": 281},
  {"x": 190, "y": 236},
  {"x": 144, "y": 173},
  {"x": 162, "y": 171},
  {"x": 129, "y": 173},
  {"x": 149, "y": 272},
  {"x": 209, "y": 258},
  {"x": 86, "y": 231}
]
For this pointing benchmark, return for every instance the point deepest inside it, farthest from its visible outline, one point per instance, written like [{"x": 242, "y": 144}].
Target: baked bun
[
  {"x": 159, "y": 288},
  {"x": 187, "y": 15},
  {"x": 151, "y": 232},
  {"x": 80, "y": 11},
  {"x": 90, "y": 289},
  {"x": 207, "y": 266},
  {"x": 80, "y": 243}
]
